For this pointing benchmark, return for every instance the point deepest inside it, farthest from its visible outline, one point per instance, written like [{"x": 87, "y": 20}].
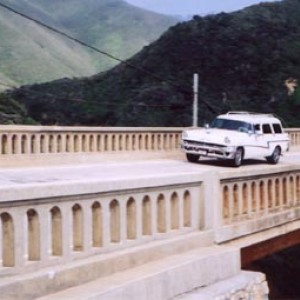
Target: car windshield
[{"x": 232, "y": 125}]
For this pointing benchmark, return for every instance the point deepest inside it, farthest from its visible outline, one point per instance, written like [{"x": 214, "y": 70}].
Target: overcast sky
[{"x": 193, "y": 7}]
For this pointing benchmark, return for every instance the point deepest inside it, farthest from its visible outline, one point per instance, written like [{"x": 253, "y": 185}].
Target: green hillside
[
  {"x": 33, "y": 54},
  {"x": 111, "y": 25},
  {"x": 243, "y": 60}
]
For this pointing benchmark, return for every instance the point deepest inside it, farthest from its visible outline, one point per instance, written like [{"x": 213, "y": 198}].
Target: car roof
[{"x": 249, "y": 117}]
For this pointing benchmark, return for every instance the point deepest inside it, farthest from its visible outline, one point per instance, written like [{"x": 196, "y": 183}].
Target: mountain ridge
[
  {"x": 24, "y": 39},
  {"x": 243, "y": 60}
]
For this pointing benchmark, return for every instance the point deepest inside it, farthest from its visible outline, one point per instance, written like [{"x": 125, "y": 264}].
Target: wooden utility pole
[{"x": 195, "y": 104}]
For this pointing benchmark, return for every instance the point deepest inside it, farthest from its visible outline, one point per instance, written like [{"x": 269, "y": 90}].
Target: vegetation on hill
[
  {"x": 12, "y": 112},
  {"x": 243, "y": 60},
  {"x": 31, "y": 53}
]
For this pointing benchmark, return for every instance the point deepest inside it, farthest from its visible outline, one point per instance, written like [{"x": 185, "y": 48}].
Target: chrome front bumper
[{"x": 208, "y": 150}]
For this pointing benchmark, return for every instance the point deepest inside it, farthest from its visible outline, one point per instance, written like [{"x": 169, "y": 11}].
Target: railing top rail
[
  {"x": 242, "y": 174},
  {"x": 292, "y": 130},
  {"x": 31, "y": 128}
]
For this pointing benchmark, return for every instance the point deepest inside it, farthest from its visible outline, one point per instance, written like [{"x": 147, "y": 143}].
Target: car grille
[{"x": 196, "y": 143}]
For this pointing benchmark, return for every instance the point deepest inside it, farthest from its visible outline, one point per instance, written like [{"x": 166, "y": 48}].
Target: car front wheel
[
  {"x": 238, "y": 157},
  {"x": 192, "y": 157}
]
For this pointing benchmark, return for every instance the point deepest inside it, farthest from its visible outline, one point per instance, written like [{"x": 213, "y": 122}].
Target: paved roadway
[
  {"x": 127, "y": 168},
  {"x": 105, "y": 171}
]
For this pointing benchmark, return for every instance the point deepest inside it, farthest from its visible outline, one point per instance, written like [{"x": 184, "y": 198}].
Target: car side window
[
  {"x": 257, "y": 128},
  {"x": 266, "y": 129},
  {"x": 277, "y": 128}
]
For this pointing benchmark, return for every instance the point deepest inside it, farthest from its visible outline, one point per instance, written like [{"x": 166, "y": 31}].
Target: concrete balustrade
[
  {"x": 294, "y": 135},
  {"x": 50, "y": 231},
  {"x": 272, "y": 199},
  {"x": 249, "y": 198},
  {"x": 51, "y": 139},
  {"x": 51, "y": 222},
  {"x": 73, "y": 222}
]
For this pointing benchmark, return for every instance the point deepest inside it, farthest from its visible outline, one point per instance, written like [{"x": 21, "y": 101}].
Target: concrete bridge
[{"x": 118, "y": 213}]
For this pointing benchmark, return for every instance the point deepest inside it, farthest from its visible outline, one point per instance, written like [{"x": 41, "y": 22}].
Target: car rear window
[
  {"x": 266, "y": 128},
  {"x": 277, "y": 128}
]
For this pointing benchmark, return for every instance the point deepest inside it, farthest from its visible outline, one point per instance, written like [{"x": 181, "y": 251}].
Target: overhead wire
[
  {"x": 7, "y": 84},
  {"x": 51, "y": 28},
  {"x": 143, "y": 70}
]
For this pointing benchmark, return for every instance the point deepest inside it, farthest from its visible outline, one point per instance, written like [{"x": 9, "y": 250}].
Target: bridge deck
[{"x": 110, "y": 165}]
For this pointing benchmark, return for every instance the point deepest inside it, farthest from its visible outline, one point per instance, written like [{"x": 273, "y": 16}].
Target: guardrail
[
  {"x": 51, "y": 224},
  {"x": 254, "y": 202},
  {"x": 52, "y": 139},
  {"x": 294, "y": 135},
  {"x": 35, "y": 233}
]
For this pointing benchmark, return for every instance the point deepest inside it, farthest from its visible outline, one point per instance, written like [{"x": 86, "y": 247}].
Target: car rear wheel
[
  {"x": 274, "y": 158},
  {"x": 192, "y": 157},
  {"x": 238, "y": 157}
]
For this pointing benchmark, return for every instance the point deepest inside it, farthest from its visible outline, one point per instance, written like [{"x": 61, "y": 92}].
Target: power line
[
  {"x": 7, "y": 85},
  {"x": 79, "y": 41},
  {"x": 103, "y": 52}
]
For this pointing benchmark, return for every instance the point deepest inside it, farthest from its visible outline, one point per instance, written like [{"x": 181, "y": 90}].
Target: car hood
[{"x": 215, "y": 136}]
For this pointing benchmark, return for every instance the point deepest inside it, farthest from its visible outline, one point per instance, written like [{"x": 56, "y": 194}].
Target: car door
[
  {"x": 262, "y": 135},
  {"x": 269, "y": 138},
  {"x": 254, "y": 146}
]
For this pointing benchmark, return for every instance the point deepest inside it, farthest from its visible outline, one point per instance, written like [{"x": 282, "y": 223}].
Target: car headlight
[
  {"x": 227, "y": 140},
  {"x": 184, "y": 135}
]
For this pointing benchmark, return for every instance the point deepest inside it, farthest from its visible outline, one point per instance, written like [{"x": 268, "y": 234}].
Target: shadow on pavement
[{"x": 226, "y": 163}]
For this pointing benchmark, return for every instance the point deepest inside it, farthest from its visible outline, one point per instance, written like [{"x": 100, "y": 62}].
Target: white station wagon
[{"x": 236, "y": 136}]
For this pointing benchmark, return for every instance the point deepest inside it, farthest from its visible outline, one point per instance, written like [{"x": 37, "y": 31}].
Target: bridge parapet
[
  {"x": 54, "y": 139},
  {"x": 254, "y": 202},
  {"x": 59, "y": 223},
  {"x": 294, "y": 135}
]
